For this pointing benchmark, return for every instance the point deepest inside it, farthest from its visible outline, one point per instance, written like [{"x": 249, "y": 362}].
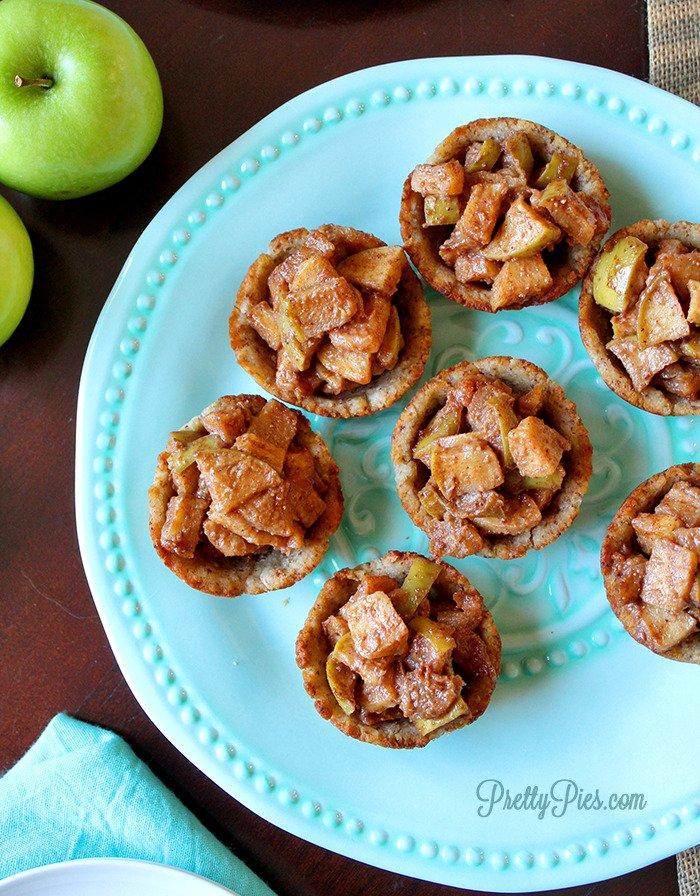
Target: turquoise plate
[{"x": 578, "y": 700}]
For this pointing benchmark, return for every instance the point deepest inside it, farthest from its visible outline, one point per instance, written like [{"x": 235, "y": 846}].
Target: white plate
[{"x": 108, "y": 877}]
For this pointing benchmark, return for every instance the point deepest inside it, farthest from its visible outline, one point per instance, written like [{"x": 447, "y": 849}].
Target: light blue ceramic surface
[{"x": 578, "y": 699}]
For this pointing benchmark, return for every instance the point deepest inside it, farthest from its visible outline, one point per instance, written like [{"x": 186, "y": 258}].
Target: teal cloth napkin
[{"x": 80, "y": 792}]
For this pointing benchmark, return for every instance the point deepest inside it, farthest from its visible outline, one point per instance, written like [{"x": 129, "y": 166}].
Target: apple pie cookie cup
[
  {"x": 245, "y": 498},
  {"x": 650, "y": 558},
  {"x": 505, "y": 214},
  {"x": 399, "y": 651},
  {"x": 332, "y": 320},
  {"x": 491, "y": 458},
  {"x": 639, "y": 316}
]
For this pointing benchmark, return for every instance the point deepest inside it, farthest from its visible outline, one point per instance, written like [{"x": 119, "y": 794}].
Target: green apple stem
[{"x": 44, "y": 83}]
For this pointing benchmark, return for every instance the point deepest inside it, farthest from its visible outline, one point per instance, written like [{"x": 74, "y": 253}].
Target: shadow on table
[{"x": 300, "y": 13}]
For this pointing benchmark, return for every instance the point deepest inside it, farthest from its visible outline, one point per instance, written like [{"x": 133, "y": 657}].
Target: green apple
[
  {"x": 81, "y": 104},
  {"x": 16, "y": 269}
]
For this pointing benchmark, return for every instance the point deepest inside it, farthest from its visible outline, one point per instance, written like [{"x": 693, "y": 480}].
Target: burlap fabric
[
  {"x": 674, "y": 46},
  {"x": 688, "y": 863}
]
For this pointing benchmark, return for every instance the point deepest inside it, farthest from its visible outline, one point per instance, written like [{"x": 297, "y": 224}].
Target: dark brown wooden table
[{"x": 224, "y": 64}]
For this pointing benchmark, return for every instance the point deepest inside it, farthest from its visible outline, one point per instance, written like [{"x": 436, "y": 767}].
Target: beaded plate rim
[{"x": 171, "y": 703}]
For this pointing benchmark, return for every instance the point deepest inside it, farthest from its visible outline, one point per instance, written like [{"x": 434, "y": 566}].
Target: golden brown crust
[
  {"x": 258, "y": 359},
  {"x": 312, "y": 651},
  {"x": 620, "y": 534},
  {"x": 265, "y": 570},
  {"x": 594, "y": 323},
  {"x": 521, "y": 376},
  {"x": 423, "y": 249}
]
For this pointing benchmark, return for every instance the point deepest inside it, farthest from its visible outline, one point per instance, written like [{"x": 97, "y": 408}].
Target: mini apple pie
[
  {"x": 332, "y": 320},
  {"x": 639, "y": 315},
  {"x": 504, "y": 214},
  {"x": 399, "y": 651},
  {"x": 245, "y": 498},
  {"x": 491, "y": 458},
  {"x": 651, "y": 563}
]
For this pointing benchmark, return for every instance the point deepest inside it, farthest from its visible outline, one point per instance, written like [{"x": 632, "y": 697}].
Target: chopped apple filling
[
  {"x": 265, "y": 322},
  {"x": 490, "y": 413},
  {"x": 688, "y": 538},
  {"x": 530, "y": 404},
  {"x": 324, "y": 306},
  {"x": 665, "y": 628},
  {"x": 439, "y": 180},
  {"x": 680, "y": 380},
  {"x": 642, "y": 364},
  {"x": 628, "y": 571},
  {"x": 661, "y": 316},
  {"x": 504, "y": 204},
  {"x": 242, "y": 483},
  {"x": 183, "y": 522},
  {"x": 377, "y": 269},
  {"x": 568, "y": 210},
  {"x": 694, "y": 302},
  {"x": 365, "y": 332},
  {"x": 682, "y": 500},
  {"x": 403, "y": 650},
  {"x": 536, "y": 448},
  {"x": 519, "y": 514},
  {"x": 473, "y": 266},
  {"x": 390, "y": 347},
  {"x": 354, "y": 366},
  {"x": 669, "y": 576},
  {"x": 682, "y": 267},
  {"x": 334, "y": 325},
  {"x": 376, "y": 628},
  {"x": 477, "y": 222},
  {"x": 559, "y": 167},
  {"x": 465, "y": 462},
  {"x": 648, "y": 527},
  {"x": 523, "y": 233},
  {"x": 658, "y": 586},
  {"x": 520, "y": 278},
  {"x": 482, "y": 156},
  {"x": 454, "y": 536},
  {"x": 471, "y": 505},
  {"x": 654, "y": 302},
  {"x": 441, "y": 210},
  {"x": 517, "y": 153},
  {"x": 493, "y": 464}
]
